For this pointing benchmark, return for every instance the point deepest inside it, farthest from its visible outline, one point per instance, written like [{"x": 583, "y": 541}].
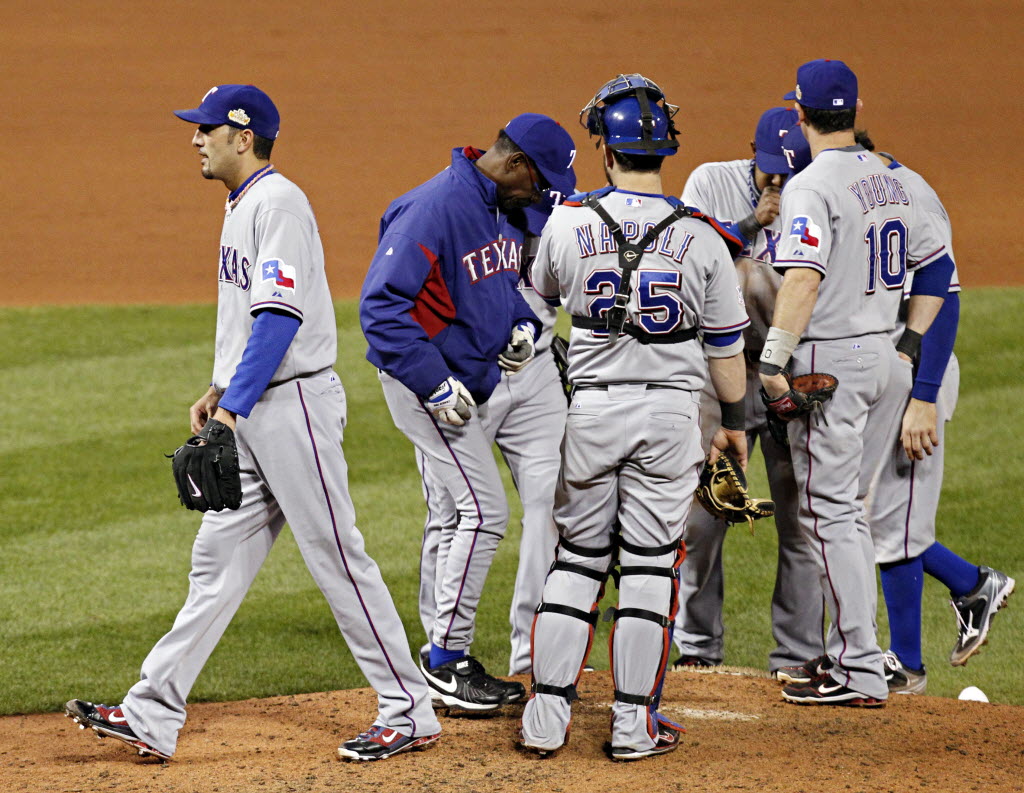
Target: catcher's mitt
[
  {"x": 722, "y": 491},
  {"x": 206, "y": 469},
  {"x": 560, "y": 351},
  {"x": 807, "y": 393}
]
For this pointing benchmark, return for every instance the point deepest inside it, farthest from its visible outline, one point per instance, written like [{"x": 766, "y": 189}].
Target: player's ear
[
  {"x": 244, "y": 141},
  {"x": 753, "y": 148},
  {"x": 800, "y": 117},
  {"x": 515, "y": 161}
]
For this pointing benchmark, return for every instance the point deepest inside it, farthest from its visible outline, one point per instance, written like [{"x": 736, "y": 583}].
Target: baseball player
[
  {"x": 851, "y": 232},
  {"x": 904, "y": 497},
  {"x": 747, "y": 192},
  {"x": 526, "y": 417},
  {"x": 274, "y": 384},
  {"x": 641, "y": 275},
  {"x": 440, "y": 309}
]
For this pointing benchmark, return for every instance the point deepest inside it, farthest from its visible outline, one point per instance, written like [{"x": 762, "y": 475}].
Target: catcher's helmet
[{"x": 631, "y": 114}]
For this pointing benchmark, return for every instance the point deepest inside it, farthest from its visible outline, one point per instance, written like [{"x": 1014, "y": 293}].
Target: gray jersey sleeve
[{"x": 284, "y": 263}]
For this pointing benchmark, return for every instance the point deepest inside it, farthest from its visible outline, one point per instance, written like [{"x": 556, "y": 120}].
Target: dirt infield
[
  {"x": 106, "y": 205},
  {"x": 740, "y": 736}
]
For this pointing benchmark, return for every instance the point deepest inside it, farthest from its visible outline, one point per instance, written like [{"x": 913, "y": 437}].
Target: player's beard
[{"x": 508, "y": 205}]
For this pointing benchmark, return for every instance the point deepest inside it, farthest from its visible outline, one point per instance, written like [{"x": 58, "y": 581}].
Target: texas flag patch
[
  {"x": 808, "y": 232},
  {"x": 280, "y": 273}
]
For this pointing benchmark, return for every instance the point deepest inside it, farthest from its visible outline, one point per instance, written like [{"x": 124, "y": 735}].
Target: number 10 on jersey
[{"x": 887, "y": 254}]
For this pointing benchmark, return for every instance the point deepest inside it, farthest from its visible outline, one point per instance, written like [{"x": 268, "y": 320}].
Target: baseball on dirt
[{"x": 973, "y": 694}]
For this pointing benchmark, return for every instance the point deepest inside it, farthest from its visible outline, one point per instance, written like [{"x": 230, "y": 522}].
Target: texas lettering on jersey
[
  {"x": 493, "y": 258},
  {"x": 589, "y": 243},
  {"x": 234, "y": 270}
]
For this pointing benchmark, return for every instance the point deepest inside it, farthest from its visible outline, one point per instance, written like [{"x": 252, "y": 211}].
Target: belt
[{"x": 647, "y": 386}]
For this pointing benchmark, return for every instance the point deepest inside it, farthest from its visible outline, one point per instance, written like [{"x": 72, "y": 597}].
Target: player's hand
[
  {"x": 203, "y": 410},
  {"x": 767, "y": 208},
  {"x": 450, "y": 402},
  {"x": 734, "y": 441},
  {"x": 919, "y": 435},
  {"x": 774, "y": 385},
  {"x": 520, "y": 349}
]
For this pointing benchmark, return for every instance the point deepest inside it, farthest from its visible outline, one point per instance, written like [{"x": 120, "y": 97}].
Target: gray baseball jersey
[
  {"x": 904, "y": 497},
  {"x": 630, "y": 454},
  {"x": 292, "y": 469},
  {"x": 726, "y": 190},
  {"x": 862, "y": 228},
  {"x": 271, "y": 258}
]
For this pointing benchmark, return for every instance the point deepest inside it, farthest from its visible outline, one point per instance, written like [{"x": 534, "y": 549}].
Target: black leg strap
[
  {"x": 589, "y": 617},
  {"x": 580, "y": 550},
  {"x": 648, "y": 550},
  {"x": 644, "y": 614},
  {"x": 664, "y": 572},
  {"x": 569, "y": 567},
  {"x": 568, "y": 693},
  {"x": 633, "y": 699}
]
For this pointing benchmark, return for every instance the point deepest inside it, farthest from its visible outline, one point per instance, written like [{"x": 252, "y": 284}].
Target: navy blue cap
[
  {"x": 241, "y": 106},
  {"x": 825, "y": 85},
  {"x": 773, "y": 125},
  {"x": 550, "y": 147},
  {"x": 797, "y": 150}
]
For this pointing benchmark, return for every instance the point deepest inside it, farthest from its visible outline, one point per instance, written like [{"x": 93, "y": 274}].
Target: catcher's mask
[{"x": 631, "y": 115}]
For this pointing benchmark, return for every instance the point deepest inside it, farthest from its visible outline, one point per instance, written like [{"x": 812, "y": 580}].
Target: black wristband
[
  {"x": 733, "y": 415},
  {"x": 769, "y": 369},
  {"x": 909, "y": 344},
  {"x": 749, "y": 226}
]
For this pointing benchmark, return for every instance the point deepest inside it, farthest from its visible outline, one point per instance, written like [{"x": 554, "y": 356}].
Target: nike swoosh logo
[
  {"x": 195, "y": 489},
  {"x": 117, "y": 719},
  {"x": 448, "y": 687},
  {"x": 830, "y": 689},
  {"x": 389, "y": 738}
]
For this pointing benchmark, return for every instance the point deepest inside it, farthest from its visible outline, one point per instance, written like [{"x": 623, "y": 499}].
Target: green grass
[{"x": 94, "y": 548}]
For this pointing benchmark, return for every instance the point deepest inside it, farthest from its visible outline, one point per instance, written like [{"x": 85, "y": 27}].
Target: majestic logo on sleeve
[
  {"x": 281, "y": 274},
  {"x": 808, "y": 232}
]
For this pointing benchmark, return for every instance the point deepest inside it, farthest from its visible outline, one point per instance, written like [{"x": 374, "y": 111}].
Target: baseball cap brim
[
  {"x": 562, "y": 182},
  {"x": 771, "y": 163},
  {"x": 790, "y": 95},
  {"x": 197, "y": 116}
]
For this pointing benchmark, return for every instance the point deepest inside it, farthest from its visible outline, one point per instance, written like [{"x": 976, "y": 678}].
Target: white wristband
[{"x": 778, "y": 347}]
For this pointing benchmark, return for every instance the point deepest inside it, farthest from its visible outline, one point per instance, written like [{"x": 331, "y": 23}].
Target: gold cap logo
[
  {"x": 799, "y": 93},
  {"x": 239, "y": 116}
]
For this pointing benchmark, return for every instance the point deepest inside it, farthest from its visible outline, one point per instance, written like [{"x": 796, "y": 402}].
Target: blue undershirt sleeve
[
  {"x": 271, "y": 335},
  {"x": 722, "y": 339},
  {"x": 936, "y": 347},
  {"x": 933, "y": 279}
]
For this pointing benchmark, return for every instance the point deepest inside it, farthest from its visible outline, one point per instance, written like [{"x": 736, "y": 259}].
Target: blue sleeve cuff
[
  {"x": 934, "y": 279},
  {"x": 721, "y": 339},
  {"x": 271, "y": 335},
  {"x": 936, "y": 347}
]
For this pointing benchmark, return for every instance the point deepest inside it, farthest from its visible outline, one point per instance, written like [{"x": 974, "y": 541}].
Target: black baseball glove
[
  {"x": 560, "y": 351},
  {"x": 807, "y": 393},
  {"x": 722, "y": 491},
  {"x": 206, "y": 469}
]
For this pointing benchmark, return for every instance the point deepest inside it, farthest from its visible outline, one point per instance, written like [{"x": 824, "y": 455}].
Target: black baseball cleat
[
  {"x": 975, "y": 610},
  {"x": 463, "y": 683},
  {"x": 667, "y": 741},
  {"x": 804, "y": 673},
  {"x": 826, "y": 691},
  {"x": 108, "y": 721},
  {"x": 379, "y": 743}
]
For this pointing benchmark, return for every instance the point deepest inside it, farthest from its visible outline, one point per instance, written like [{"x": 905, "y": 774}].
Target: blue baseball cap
[
  {"x": 772, "y": 126},
  {"x": 241, "y": 106},
  {"x": 550, "y": 147},
  {"x": 796, "y": 149},
  {"x": 537, "y": 214},
  {"x": 825, "y": 85}
]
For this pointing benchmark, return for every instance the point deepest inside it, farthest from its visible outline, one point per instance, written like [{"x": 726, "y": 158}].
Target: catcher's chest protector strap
[{"x": 630, "y": 255}]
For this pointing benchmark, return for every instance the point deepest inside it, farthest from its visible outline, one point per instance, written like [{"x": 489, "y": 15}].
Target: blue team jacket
[{"x": 440, "y": 298}]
